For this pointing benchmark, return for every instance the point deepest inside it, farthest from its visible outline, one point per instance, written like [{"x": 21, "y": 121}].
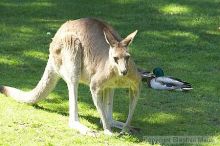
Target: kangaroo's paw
[
  {"x": 82, "y": 129},
  {"x": 117, "y": 124},
  {"x": 125, "y": 130},
  {"x": 129, "y": 130},
  {"x": 121, "y": 125},
  {"x": 134, "y": 129}
]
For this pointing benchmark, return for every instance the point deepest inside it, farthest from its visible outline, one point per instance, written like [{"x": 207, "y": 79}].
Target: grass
[{"x": 182, "y": 37}]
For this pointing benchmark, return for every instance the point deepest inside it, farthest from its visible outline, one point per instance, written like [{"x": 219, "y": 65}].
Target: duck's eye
[
  {"x": 127, "y": 57},
  {"x": 116, "y": 59}
]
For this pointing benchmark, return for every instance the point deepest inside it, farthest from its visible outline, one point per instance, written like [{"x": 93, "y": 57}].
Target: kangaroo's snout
[
  {"x": 124, "y": 72},
  {"x": 122, "y": 68}
]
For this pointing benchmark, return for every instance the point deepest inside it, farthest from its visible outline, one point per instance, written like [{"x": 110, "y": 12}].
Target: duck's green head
[{"x": 158, "y": 72}]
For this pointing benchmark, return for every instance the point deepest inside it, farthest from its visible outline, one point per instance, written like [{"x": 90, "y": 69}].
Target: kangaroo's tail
[{"x": 43, "y": 88}]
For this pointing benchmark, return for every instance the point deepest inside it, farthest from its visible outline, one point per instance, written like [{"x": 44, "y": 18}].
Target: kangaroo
[{"x": 88, "y": 51}]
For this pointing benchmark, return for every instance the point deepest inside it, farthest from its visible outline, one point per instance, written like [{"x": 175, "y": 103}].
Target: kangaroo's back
[{"x": 90, "y": 33}]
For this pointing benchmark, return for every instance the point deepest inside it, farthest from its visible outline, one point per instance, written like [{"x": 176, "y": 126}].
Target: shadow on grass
[{"x": 180, "y": 36}]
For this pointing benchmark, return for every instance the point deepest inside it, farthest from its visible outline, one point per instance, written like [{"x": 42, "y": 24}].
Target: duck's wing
[
  {"x": 179, "y": 80},
  {"x": 176, "y": 83},
  {"x": 170, "y": 80},
  {"x": 161, "y": 85}
]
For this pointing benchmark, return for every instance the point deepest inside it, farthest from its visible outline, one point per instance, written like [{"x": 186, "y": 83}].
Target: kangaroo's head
[{"x": 118, "y": 52}]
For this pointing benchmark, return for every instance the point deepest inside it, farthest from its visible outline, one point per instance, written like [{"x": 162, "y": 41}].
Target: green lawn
[{"x": 181, "y": 36}]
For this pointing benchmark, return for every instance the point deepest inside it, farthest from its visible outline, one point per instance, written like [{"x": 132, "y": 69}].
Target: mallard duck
[{"x": 157, "y": 80}]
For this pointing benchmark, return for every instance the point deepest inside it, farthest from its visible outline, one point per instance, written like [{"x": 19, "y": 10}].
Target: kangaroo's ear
[
  {"x": 128, "y": 40},
  {"x": 109, "y": 37}
]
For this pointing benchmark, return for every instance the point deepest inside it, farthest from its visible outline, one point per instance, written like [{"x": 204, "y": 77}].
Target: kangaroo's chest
[{"x": 118, "y": 82}]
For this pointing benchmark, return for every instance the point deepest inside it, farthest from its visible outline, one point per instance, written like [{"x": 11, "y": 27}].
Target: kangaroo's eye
[
  {"x": 127, "y": 57},
  {"x": 116, "y": 59}
]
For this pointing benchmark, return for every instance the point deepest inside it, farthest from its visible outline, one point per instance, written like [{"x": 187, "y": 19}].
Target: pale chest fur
[{"x": 118, "y": 82}]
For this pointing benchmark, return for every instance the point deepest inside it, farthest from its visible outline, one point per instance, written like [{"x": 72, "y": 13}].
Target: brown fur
[
  {"x": 84, "y": 50},
  {"x": 91, "y": 53}
]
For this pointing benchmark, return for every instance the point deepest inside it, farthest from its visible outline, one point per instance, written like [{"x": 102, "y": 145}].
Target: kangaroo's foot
[
  {"x": 82, "y": 129},
  {"x": 126, "y": 130},
  {"x": 108, "y": 132},
  {"x": 121, "y": 125}
]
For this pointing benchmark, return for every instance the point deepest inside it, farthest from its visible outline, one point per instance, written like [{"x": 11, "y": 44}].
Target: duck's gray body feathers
[{"x": 169, "y": 83}]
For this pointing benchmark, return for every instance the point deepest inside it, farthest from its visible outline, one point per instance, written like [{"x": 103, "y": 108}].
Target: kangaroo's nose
[{"x": 124, "y": 72}]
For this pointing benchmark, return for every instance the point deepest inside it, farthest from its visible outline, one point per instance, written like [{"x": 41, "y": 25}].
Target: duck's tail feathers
[
  {"x": 186, "y": 87},
  {"x": 43, "y": 88}
]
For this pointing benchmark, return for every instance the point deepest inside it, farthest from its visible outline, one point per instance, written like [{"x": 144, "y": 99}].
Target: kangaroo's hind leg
[{"x": 70, "y": 70}]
